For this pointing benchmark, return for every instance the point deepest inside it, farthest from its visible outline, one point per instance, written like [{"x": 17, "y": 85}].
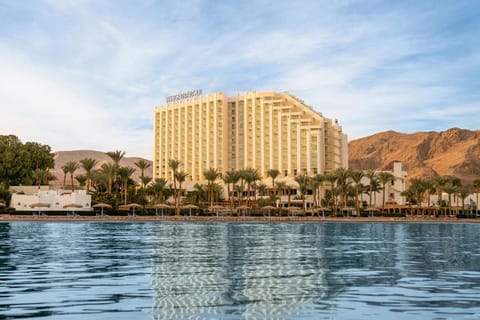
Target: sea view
[{"x": 227, "y": 270}]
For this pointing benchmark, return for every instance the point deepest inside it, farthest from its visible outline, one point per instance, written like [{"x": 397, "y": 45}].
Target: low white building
[{"x": 51, "y": 200}]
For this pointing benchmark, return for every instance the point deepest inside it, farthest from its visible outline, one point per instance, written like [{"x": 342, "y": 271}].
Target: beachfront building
[
  {"x": 261, "y": 130},
  {"x": 45, "y": 199}
]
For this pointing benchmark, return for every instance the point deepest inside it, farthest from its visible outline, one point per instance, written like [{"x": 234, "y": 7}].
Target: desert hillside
[
  {"x": 62, "y": 157},
  {"x": 453, "y": 152}
]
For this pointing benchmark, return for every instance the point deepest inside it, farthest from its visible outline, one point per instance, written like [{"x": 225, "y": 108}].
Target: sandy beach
[{"x": 52, "y": 218}]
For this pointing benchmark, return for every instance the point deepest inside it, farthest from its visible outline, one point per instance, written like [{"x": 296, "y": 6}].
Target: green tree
[
  {"x": 211, "y": 175},
  {"x": 174, "y": 165},
  {"x": 250, "y": 175},
  {"x": 230, "y": 177},
  {"x": 273, "y": 173},
  {"x": 476, "y": 187},
  {"x": 71, "y": 167},
  {"x": 19, "y": 161},
  {"x": 142, "y": 165},
  {"x": 88, "y": 165},
  {"x": 158, "y": 190},
  {"x": 180, "y": 177},
  {"x": 384, "y": 177},
  {"x": 356, "y": 176},
  {"x": 303, "y": 183},
  {"x": 125, "y": 174},
  {"x": 81, "y": 179}
]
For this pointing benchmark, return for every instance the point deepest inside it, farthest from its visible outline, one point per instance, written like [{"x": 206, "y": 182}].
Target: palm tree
[
  {"x": 230, "y": 177},
  {"x": 342, "y": 176},
  {"x": 384, "y": 177},
  {"x": 88, "y": 164},
  {"x": 372, "y": 176},
  {"x": 142, "y": 165},
  {"x": 332, "y": 178},
  {"x": 39, "y": 175},
  {"x": 145, "y": 180},
  {"x": 125, "y": 174},
  {"x": 211, "y": 175},
  {"x": 109, "y": 171},
  {"x": 417, "y": 189},
  {"x": 65, "y": 172},
  {"x": 356, "y": 176},
  {"x": 476, "y": 186},
  {"x": 303, "y": 182},
  {"x": 71, "y": 167},
  {"x": 429, "y": 189},
  {"x": 81, "y": 179},
  {"x": 250, "y": 176},
  {"x": 316, "y": 183},
  {"x": 273, "y": 173},
  {"x": 175, "y": 164},
  {"x": 262, "y": 189},
  {"x": 158, "y": 189},
  {"x": 116, "y": 156},
  {"x": 180, "y": 177},
  {"x": 440, "y": 183},
  {"x": 281, "y": 186},
  {"x": 463, "y": 194}
]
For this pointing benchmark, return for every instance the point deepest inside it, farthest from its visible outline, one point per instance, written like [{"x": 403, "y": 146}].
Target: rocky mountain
[
  {"x": 62, "y": 157},
  {"x": 454, "y": 152}
]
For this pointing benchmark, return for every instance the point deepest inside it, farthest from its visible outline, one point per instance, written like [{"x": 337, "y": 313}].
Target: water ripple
[{"x": 239, "y": 271}]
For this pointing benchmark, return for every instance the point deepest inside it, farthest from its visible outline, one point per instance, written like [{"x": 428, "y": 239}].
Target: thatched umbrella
[
  {"x": 190, "y": 207},
  {"x": 269, "y": 209},
  {"x": 40, "y": 205},
  {"x": 131, "y": 206},
  {"x": 102, "y": 206},
  {"x": 293, "y": 211},
  {"x": 73, "y": 206},
  {"x": 216, "y": 209},
  {"x": 371, "y": 211},
  {"x": 243, "y": 210},
  {"x": 322, "y": 210},
  {"x": 161, "y": 206}
]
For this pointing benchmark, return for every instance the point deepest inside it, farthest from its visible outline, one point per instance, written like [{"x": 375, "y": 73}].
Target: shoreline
[{"x": 5, "y": 218}]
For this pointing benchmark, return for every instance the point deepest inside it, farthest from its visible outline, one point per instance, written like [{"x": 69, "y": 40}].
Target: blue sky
[{"x": 88, "y": 74}]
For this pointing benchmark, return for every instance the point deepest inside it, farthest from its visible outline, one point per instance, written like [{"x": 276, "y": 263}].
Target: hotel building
[{"x": 263, "y": 130}]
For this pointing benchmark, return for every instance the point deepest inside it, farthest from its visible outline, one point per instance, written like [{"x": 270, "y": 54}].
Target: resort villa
[{"x": 43, "y": 199}]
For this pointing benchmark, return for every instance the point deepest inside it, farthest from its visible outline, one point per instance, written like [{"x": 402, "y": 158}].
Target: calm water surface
[{"x": 239, "y": 271}]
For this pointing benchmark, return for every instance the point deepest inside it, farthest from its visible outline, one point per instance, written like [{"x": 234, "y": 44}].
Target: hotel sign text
[{"x": 184, "y": 95}]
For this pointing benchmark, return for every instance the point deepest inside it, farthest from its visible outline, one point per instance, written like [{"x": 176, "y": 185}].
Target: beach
[{"x": 240, "y": 219}]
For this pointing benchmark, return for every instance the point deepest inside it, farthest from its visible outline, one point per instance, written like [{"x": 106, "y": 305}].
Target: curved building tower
[{"x": 263, "y": 130}]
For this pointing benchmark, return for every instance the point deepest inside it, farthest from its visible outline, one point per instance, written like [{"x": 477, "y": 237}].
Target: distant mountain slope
[
  {"x": 453, "y": 152},
  {"x": 62, "y": 157}
]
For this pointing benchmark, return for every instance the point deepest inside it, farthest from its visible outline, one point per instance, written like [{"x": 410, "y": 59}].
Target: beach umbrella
[
  {"x": 102, "y": 206},
  {"x": 269, "y": 209},
  {"x": 161, "y": 206},
  {"x": 190, "y": 207},
  {"x": 243, "y": 209},
  {"x": 216, "y": 209},
  {"x": 40, "y": 205},
  {"x": 131, "y": 206},
  {"x": 73, "y": 206},
  {"x": 322, "y": 210},
  {"x": 293, "y": 211}
]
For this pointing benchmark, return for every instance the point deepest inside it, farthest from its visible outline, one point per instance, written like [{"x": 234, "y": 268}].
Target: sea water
[{"x": 239, "y": 270}]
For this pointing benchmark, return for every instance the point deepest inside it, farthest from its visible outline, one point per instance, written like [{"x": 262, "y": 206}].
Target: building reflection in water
[{"x": 247, "y": 270}]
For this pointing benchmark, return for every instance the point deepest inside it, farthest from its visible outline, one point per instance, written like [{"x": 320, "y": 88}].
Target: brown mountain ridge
[{"x": 454, "y": 152}]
